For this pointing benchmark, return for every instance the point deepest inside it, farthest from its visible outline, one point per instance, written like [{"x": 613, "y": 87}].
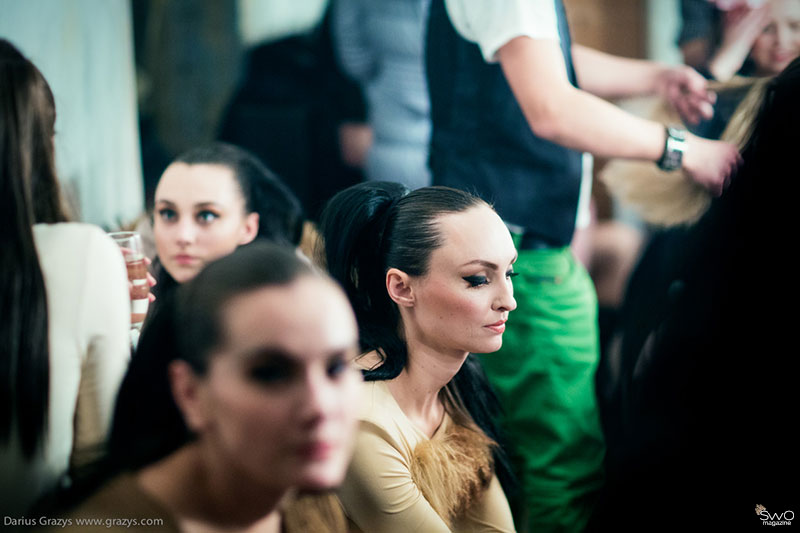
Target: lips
[
  {"x": 316, "y": 450},
  {"x": 184, "y": 259},
  {"x": 497, "y": 327}
]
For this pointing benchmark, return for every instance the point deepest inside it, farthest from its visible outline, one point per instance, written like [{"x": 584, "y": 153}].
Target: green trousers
[{"x": 544, "y": 376}]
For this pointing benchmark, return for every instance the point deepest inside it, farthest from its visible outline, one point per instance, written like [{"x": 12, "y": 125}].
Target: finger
[
  {"x": 151, "y": 280},
  {"x": 151, "y": 297},
  {"x": 694, "y": 82},
  {"x": 147, "y": 261}
]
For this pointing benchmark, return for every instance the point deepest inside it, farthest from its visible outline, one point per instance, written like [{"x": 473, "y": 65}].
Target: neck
[
  {"x": 203, "y": 493},
  {"x": 417, "y": 388}
]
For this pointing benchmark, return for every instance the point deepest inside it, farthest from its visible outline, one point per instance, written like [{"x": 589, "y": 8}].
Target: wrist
[{"x": 676, "y": 143}]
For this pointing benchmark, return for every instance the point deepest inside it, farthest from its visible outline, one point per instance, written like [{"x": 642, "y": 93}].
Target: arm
[
  {"x": 105, "y": 307},
  {"x": 561, "y": 113},
  {"x": 699, "y": 19},
  {"x": 741, "y": 29},
  {"x": 490, "y": 514},
  {"x": 609, "y": 76},
  {"x": 378, "y": 493}
]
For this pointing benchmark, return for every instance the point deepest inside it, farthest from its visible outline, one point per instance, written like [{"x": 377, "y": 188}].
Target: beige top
[
  {"x": 379, "y": 494},
  {"x": 88, "y": 308}
]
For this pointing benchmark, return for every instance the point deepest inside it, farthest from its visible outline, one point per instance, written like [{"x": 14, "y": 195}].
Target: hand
[
  {"x": 685, "y": 89},
  {"x": 151, "y": 282},
  {"x": 742, "y": 27},
  {"x": 711, "y": 164}
]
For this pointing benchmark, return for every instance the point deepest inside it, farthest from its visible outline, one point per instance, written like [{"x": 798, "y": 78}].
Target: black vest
[{"x": 482, "y": 143}]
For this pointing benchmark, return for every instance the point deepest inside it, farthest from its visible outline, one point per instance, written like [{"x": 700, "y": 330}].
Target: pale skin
[
  {"x": 769, "y": 34},
  {"x": 444, "y": 317},
  {"x": 273, "y": 414},
  {"x": 199, "y": 216},
  {"x": 580, "y": 119}
]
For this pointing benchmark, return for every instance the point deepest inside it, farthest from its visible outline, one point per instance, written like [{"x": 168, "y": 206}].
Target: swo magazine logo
[{"x": 774, "y": 519}]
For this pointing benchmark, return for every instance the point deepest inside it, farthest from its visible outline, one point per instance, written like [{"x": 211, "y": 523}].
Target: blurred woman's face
[
  {"x": 199, "y": 216},
  {"x": 279, "y": 403},
  {"x": 779, "y": 43},
  {"x": 464, "y": 300}
]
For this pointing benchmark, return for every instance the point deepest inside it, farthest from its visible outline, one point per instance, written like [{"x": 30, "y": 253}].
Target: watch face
[{"x": 673, "y": 150}]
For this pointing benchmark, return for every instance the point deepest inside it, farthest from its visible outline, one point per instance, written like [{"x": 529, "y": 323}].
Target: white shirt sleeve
[{"x": 493, "y": 23}]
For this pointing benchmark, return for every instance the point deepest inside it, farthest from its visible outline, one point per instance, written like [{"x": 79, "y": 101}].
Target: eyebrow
[
  {"x": 487, "y": 264},
  {"x": 198, "y": 205}
]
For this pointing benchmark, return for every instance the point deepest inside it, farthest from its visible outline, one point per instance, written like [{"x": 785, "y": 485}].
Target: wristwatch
[{"x": 674, "y": 148}]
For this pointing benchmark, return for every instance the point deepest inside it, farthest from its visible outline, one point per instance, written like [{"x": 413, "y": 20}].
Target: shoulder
[
  {"x": 382, "y": 422},
  {"x": 492, "y": 23},
  {"x": 121, "y": 500},
  {"x": 74, "y": 236}
]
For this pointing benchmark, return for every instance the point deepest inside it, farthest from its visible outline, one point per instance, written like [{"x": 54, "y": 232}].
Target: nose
[
  {"x": 504, "y": 300},
  {"x": 318, "y": 398},
  {"x": 186, "y": 232},
  {"x": 786, "y": 36}
]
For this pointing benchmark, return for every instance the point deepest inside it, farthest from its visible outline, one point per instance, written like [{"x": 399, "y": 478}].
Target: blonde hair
[{"x": 672, "y": 198}]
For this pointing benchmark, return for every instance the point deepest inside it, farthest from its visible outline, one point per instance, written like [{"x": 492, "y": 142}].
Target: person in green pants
[{"x": 510, "y": 122}]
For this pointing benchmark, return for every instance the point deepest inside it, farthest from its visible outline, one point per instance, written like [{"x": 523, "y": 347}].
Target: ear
[
  {"x": 250, "y": 228},
  {"x": 398, "y": 285},
  {"x": 187, "y": 392}
]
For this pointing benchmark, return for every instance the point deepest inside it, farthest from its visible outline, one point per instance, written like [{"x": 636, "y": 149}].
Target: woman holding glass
[
  {"x": 211, "y": 200},
  {"x": 65, "y": 307}
]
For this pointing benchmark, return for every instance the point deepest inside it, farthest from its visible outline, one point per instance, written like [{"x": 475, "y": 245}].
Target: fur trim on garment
[
  {"x": 454, "y": 470},
  {"x": 314, "y": 513}
]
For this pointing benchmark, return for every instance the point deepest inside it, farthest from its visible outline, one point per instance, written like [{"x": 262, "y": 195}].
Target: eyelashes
[
  {"x": 283, "y": 370},
  {"x": 477, "y": 281}
]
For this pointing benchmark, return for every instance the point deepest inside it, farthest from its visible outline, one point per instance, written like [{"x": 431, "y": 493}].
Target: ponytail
[{"x": 355, "y": 226}]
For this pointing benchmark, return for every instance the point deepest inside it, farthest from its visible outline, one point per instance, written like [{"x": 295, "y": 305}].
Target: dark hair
[
  {"x": 29, "y": 194},
  {"x": 187, "y": 326},
  {"x": 280, "y": 215},
  {"x": 374, "y": 226},
  {"x": 279, "y": 212},
  {"x": 371, "y": 227}
]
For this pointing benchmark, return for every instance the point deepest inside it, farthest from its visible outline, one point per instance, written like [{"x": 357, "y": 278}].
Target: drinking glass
[{"x": 130, "y": 242}]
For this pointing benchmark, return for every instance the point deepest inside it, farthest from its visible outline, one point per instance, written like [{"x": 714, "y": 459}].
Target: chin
[
  {"x": 182, "y": 275},
  {"x": 488, "y": 347},
  {"x": 321, "y": 477}
]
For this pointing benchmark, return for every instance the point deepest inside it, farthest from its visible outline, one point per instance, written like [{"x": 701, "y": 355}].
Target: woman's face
[
  {"x": 463, "y": 301},
  {"x": 779, "y": 43},
  {"x": 279, "y": 402},
  {"x": 199, "y": 216}
]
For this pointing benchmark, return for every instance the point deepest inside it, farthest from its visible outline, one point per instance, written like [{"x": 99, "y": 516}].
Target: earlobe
[
  {"x": 185, "y": 386},
  {"x": 398, "y": 285},
  {"x": 250, "y": 228}
]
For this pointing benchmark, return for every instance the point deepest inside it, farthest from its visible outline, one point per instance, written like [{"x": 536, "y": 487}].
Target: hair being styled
[
  {"x": 29, "y": 194},
  {"x": 187, "y": 326},
  {"x": 280, "y": 216},
  {"x": 374, "y": 226}
]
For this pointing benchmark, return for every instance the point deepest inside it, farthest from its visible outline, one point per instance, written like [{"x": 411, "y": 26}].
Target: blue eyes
[
  {"x": 166, "y": 214},
  {"x": 203, "y": 217},
  {"x": 206, "y": 217},
  {"x": 477, "y": 281}
]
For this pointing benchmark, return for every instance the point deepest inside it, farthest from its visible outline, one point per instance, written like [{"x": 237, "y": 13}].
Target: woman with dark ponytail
[
  {"x": 64, "y": 308},
  {"x": 428, "y": 274}
]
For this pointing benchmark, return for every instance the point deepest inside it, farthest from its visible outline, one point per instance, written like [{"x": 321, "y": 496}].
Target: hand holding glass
[{"x": 130, "y": 243}]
